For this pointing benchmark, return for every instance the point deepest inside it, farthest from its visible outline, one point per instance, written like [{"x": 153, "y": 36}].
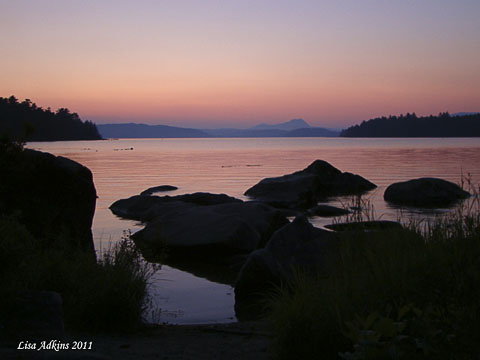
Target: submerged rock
[
  {"x": 161, "y": 188},
  {"x": 296, "y": 246},
  {"x": 425, "y": 192},
  {"x": 305, "y": 188},
  {"x": 375, "y": 225}
]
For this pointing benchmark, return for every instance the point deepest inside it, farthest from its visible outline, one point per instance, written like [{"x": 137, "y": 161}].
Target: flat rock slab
[
  {"x": 231, "y": 227},
  {"x": 146, "y": 207},
  {"x": 305, "y": 188},
  {"x": 425, "y": 192},
  {"x": 161, "y": 188}
]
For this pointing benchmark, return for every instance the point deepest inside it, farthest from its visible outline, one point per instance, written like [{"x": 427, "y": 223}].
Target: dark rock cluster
[{"x": 254, "y": 239}]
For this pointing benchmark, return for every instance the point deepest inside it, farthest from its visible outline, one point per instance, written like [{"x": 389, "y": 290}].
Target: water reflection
[{"x": 226, "y": 166}]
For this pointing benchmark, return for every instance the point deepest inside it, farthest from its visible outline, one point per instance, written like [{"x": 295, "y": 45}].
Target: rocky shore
[
  {"x": 251, "y": 242},
  {"x": 254, "y": 244}
]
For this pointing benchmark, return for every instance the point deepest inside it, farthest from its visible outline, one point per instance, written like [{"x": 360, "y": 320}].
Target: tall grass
[
  {"x": 363, "y": 210},
  {"x": 108, "y": 294},
  {"x": 392, "y": 295}
]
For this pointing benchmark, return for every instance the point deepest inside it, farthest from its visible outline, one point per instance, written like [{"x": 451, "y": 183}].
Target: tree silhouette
[
  {"x": 26, "y": 121},
  {"x": 410, "y": 125}
]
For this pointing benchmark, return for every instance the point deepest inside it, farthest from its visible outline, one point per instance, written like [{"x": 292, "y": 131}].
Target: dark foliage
[
  {"x": 26, "y": 121},
  {"x": 108, "y": 294},
  {"x": 38, "y": 253},
  {"x": 393, "y": 294},
  {"x": 410, "y": 125}
]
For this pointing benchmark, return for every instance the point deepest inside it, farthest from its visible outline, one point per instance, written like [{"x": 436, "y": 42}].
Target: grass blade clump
[
  {"x": 108, "y": 294},
  {"x": 115, "y": 289},
  {"x": 410, "y": 294}
]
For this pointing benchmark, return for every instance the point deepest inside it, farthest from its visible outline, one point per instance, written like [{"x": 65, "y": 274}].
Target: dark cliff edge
[{"x": 51, "y": 195}]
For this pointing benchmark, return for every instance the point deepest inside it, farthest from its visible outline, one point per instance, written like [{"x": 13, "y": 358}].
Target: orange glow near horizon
[{"x": 226, "y": 65}]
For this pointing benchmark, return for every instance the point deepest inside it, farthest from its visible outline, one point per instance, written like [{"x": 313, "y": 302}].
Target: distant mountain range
[
  {"x": 289, "y": 125},
  {"x": 132, "y": 130},
  {"x": 292, "y": 128},
  {"x": 461, "y": 124}
]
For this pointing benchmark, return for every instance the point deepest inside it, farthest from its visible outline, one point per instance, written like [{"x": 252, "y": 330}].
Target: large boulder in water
[
  {"x": 229, "y": 228},
  {"x": 53, "y": 197},
  {"x": 146, "y": 207},
  {"x": 305, "y": 188},
  {"x": 425, "y": 192},
  {"x": 296, "y": 246}
]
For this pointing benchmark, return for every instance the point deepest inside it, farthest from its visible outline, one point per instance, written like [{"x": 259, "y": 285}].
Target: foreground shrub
[
  {"x": 115, "y": 289},
  {"x": 108, "y": 294},
  {"x": 392, "y": 295}
]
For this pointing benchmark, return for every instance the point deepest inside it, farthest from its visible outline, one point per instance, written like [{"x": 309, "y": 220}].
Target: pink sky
[{"x": 236, "y": 64}]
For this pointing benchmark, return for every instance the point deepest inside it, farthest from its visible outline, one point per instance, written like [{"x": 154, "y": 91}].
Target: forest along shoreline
[{"x": 270, "y": 258}]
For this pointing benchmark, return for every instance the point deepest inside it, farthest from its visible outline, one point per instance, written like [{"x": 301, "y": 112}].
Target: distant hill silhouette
[
  {"x": 132, "y": 130},
  {"x": 253, "y": 132},
  {"x": 26, "y": 121},
  {"x": 289, "y": 125},
  {"x": 410, "y": 125},
  {"x": 292, "y": 128},
  {"x": 312, "y": 132}
]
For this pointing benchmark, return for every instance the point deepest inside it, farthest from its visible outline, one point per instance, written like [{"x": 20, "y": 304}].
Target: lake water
[{"x": 125, "y": 167}]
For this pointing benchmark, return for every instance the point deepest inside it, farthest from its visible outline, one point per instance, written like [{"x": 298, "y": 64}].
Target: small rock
[{"x": 161, "y": 188}]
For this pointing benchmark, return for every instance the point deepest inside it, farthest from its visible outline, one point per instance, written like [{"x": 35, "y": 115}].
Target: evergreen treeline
[
  {"x": 26, "y": 121},
  {"x": 443, "y": 125}
]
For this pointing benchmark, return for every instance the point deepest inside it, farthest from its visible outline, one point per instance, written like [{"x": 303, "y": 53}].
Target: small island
[{"x": 27, "y": 121}]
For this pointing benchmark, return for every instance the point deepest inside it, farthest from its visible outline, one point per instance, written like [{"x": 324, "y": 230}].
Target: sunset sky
[{"x": 226, "y": 63}]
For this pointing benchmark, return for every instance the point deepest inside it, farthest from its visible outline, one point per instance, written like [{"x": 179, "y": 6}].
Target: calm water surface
[{"x": 125, "y": 167}]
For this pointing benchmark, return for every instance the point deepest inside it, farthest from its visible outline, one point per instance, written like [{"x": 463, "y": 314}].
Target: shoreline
[{"x": 239, "y": 340}]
